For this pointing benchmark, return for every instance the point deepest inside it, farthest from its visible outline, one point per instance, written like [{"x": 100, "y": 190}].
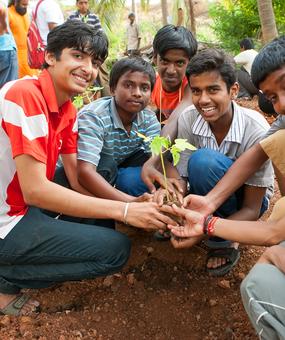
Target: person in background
[
  {"x": 85, "y": 15},
  {"x": 19, "y": 24},
  {"x": 48, "y": 17},
  {"x": 8, "y": 53},
  {"x": 173, "y": 47},
  {"x": 245, "y": 59},
  {"x": 133, "y": 37}
]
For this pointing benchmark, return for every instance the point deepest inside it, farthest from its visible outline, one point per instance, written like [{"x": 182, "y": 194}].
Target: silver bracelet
[{"x": 126, "y": 212}]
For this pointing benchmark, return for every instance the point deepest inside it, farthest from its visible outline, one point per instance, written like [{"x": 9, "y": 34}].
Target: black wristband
[{"x": 206, "y": 222}]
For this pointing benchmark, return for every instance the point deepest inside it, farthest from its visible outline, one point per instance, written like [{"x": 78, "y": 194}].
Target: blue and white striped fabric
[
  {"x": 101, "y": 131},
  {"x": 90, "y": 19}
]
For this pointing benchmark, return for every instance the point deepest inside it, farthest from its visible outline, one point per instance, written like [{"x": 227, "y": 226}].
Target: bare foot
[{"x": 28, "y": 307}]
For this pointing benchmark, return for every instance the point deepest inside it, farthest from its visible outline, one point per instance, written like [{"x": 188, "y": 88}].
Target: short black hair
[
  {"x": 174, "y": 37},
  {"x": 269, "y": 59},
  {"x": 211, "y": 59},
  {"x": 79, "y": 35},
  {"x": 132, "y": 64},
  {"x": 246, "y": 43}
]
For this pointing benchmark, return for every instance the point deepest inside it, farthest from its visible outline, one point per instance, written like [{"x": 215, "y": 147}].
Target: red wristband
[{"x": 211, "y": 225}]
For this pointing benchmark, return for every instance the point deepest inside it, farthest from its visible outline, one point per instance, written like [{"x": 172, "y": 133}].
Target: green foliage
[
  {"x": 160, "y": 145},
  {"x": 78, "y": 101},
  {"x": 238, "y": 19}
]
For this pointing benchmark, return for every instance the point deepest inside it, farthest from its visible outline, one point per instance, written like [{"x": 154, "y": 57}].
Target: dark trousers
[
  {"x": 205, "y": 168},
  {"x": 246, "y": 87},
  {"x": 125, "y": 176},
  {"x": 41, "y": 251}
]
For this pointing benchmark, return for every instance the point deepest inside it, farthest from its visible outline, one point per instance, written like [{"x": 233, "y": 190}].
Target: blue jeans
[
  {"x": 205, "y": 168},
  {"x": 125, "y": 176},
  {"x": 8, "y": 66},
  {"x": 41, "y": 251}
]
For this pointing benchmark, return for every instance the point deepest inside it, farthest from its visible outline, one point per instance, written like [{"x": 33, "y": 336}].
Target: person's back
[
  {"x": 245, "y": 60},
  {"x": 49, "y": 15}
]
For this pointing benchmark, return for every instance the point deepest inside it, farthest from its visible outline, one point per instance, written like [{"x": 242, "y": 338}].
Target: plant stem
[{"x": 164, "y": 175}]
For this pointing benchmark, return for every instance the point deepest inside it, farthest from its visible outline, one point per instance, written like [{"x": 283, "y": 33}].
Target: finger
[
  {"x": 176, "y": 183},
  {"x": 179, "y": 243},
  {"x": 167, "y": 220},
  {"x": 148, "y": 182},
  {"x": 186, "y": 201},
  {"x": 180, "y": 198},
  {"x": 148, "y": 197},
  {"x": 179, "y": 211},
  {"x": 167, "y": 209}
]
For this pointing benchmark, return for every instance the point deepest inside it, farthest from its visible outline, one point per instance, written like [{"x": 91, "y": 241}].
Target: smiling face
[
  {"x": 211, "y": 96},
  {"x": 132, "y": 93},
  {"x": 273, "y": 88},
  {"x": 72, "y": 72},
  {"x": 172, "y": 68}
]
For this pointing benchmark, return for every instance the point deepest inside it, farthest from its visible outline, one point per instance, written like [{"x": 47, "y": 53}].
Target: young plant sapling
[
  {"x": 86, "y": 97},
  {"x": 159, "y": 145}
]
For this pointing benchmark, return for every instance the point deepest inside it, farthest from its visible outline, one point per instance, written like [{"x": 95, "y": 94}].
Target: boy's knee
[
  {"x": 257, "y": 282},
  {"x": 119, "y": 250},
  {"x": 203, "y": 159}
]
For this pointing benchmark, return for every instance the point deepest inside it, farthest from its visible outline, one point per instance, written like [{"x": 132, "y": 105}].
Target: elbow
[
  {"x": 275, "y": 235},
  {"x": 274, "y": 239},
  {"x": 33, "y": 197}
]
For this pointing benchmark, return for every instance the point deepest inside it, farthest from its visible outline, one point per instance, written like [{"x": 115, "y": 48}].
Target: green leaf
[
  {"x": 182, "y": 145},
  {"x": 78, "y": 102},
  {"x": 175, "y": 152},
  {"x": 159, "y": 143}
]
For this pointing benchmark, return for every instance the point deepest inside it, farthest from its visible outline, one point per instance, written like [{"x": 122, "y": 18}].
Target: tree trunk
[
  {"x": 164, "y": 12},
  {"x": 267, "y": 20},
  {"x": 192, "y": 26}
]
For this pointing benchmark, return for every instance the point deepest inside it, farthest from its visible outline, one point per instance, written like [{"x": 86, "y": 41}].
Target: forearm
[
  {"x": 99, "y": 187},
  {"x": 235, "y": 177},
  {"x": 249, "y": 232},
  {"x": 244, "y": 214},
  {"x": 53, "y": 197}
]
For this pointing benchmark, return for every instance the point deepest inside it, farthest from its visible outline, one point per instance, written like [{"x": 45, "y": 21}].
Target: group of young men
[{"x": 107, "y": 173}]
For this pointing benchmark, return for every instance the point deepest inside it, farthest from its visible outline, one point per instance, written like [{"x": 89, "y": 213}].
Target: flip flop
[
  {"x": 231, "y": 255},
  {"x": 16, "y": 305}
]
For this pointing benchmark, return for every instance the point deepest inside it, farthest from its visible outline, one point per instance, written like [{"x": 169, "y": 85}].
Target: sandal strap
[{"x": 15, "y": 306}]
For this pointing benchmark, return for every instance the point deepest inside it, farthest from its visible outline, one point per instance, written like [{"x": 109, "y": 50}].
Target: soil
[{"x": 161, "y": 294}]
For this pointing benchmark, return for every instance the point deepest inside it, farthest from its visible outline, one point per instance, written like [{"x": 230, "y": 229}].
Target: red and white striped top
[{"x": 30, "y": 123}]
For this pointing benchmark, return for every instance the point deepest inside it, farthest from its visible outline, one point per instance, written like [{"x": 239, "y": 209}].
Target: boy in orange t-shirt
[{"x": 173, "y": 47}]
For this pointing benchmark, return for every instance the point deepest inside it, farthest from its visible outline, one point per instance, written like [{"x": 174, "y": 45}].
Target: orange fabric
[
  {"x": 169, "y": 100},
  {"x": 19, "y": 25}
]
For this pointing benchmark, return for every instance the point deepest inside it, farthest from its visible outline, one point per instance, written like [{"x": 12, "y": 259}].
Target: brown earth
[{"x": 161, "y": 294}]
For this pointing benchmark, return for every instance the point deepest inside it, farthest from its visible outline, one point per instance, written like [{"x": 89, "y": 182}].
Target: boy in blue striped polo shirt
[{"x": 110, "y": 151}]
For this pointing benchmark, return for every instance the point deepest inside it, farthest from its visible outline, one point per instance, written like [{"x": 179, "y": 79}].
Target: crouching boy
[{"x": 111, "y": 150}]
